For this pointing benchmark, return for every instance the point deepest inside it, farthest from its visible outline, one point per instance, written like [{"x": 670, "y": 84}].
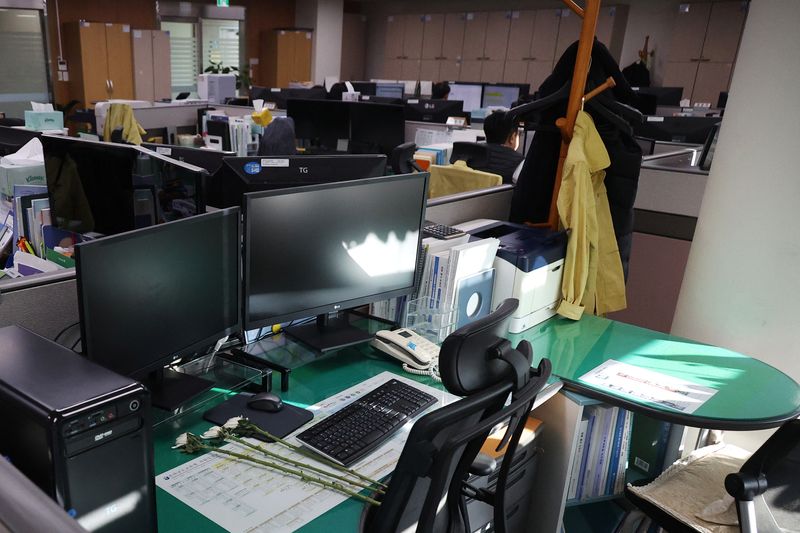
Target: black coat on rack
[{"x": 534, "y": 189}]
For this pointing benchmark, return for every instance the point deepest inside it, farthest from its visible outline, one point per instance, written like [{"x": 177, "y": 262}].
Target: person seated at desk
[
  {"x": 502, "y": 142},
  {"x": 440, "y": 91},
  {"x": 278, "y": 138}
]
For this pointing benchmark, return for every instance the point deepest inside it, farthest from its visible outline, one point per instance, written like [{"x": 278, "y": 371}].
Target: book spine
[
  {"x": 576, "y": 463},
  {"x": 587, "y": 445},
  {"x": 622, "y": 465},
  {"x": 616, "y": 449},
  {"x": 602, "y": 451}
]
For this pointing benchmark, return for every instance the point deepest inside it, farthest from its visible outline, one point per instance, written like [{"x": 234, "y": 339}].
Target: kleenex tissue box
[{"x": 44, "y": 120}]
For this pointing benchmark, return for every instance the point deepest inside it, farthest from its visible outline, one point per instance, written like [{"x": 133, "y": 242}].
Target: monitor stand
[
  {"x": 329, "y": 333},
  {"x": 169, "y": 389}
]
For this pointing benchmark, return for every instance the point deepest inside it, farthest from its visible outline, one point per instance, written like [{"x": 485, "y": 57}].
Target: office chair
[
  {"x": 458, "y": 177},
  {"x": 474, "y": 154},
  {"x": 402, "y": 159},
  {"x": 428, "y": 489},
  {"x": 766, "y": 488}
]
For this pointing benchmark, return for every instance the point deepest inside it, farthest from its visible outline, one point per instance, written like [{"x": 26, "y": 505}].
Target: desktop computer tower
[{"x": 80, "y": 432}]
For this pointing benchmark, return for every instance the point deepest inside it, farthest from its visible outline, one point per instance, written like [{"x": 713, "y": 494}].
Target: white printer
[{"x": 528, "y": 266}]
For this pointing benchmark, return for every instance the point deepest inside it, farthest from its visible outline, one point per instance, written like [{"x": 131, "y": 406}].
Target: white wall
[
  {"x": 325, "y": 17},
  {"x": 741, "y": 284}
]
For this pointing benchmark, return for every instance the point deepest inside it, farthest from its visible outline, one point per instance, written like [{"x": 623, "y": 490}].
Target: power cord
[{"x": 65, "y": 330}]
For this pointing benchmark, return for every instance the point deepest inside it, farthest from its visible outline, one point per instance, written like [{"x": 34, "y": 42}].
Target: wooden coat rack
[{"x": 576, "y": 93}]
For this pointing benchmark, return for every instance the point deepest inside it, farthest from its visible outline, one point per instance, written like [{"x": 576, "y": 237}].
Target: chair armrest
[{"x": 483, "y": 465}]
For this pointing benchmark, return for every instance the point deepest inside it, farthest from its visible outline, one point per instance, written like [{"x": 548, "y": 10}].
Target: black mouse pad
[{"x": 280, "y": 424}]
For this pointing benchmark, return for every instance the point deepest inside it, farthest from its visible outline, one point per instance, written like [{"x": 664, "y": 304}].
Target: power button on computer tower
[{"x": 134, "y": 405}]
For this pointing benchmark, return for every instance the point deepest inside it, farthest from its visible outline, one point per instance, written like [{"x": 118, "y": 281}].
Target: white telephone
[{"x": 412, "y": 349}]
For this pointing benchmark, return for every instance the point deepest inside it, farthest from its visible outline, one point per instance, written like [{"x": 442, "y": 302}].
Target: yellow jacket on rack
[{"x": 593, "y": 278}]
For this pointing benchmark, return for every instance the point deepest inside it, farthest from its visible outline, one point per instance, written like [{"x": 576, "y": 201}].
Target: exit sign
[{"x": 223, "y": 3}]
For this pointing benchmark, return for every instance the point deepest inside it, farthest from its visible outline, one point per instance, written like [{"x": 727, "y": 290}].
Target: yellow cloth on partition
[
  {"x": 593, "y": 278},
  {"x": 458, "y": 177},
  {"x": 122, "y": 115}
]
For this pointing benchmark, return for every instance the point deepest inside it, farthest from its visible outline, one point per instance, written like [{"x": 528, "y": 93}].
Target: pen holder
[{"x": 431, "y": 319}]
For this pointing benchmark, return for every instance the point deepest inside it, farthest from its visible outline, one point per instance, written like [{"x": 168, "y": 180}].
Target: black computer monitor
[
  {"x": 210, "y": 160},
  {"x": 321, "y": 125},
  {"x": 389, "y": 90},
  {"x": 356, "y": 242},
  {"x": 501, "y": 95},
  {"x": 676, "y": 129},
  {"x": 368, "y": 88},
  {"x": 112, "y": 188},
  {"x": 280, "y": 97},
  {"x": 150, "y": 297},
  {"x": 433, "y": 110},
  {"x": 666, "y": 96},
  {"x": 240, "y": 175},
  {"x": 381, "y": 99},
  {"x": 376, "y": 128},
  {"x": 710, "y": 146},
  {"x": 12, "y": 139}
]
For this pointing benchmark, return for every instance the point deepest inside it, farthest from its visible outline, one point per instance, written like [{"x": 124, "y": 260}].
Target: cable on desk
[
  {"x": 65, "y": 330},
  {"x": 75, "y": 344}
]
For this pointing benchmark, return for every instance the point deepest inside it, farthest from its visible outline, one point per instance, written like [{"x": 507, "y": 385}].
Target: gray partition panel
[
  {"x": 44, "y": 304},
  {"x": 493, "y": 203}
]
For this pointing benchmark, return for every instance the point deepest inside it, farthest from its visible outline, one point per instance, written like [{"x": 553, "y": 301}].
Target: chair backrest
[
  {"x": 458, "y": 177},
  {"x": 475, "y": 154},
  {"x": 402, "y": 158},
  {"x": 425, "y": 491},
  {"x": 767, "y": 487}
]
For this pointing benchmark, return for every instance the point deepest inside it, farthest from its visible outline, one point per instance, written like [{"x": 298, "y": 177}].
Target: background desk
[{"x": 573, "y": 347}]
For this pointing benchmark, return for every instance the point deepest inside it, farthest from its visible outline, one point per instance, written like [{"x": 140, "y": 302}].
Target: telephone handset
[{"x": 407, "y": 346}]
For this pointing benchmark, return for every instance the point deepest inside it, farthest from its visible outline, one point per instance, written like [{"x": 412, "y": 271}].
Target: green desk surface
[{"x": 752, "y": 395}]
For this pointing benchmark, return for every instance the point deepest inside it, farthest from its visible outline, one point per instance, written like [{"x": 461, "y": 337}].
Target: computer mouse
[{"x": 265, "y": 401}]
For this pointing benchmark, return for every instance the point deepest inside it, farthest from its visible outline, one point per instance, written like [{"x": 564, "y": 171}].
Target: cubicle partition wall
[{"x": 43, "y": 303}]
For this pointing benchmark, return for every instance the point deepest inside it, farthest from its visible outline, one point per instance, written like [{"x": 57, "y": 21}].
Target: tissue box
[
  {"x": 44, "y": 120},
  {"x": 11, "y": 175}
]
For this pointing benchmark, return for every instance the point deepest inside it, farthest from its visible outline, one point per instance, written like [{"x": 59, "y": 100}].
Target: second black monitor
[{"x": 239, "y": 175}]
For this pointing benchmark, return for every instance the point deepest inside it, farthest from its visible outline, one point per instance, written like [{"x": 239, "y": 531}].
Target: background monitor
[
  {"x": 469, "y": 93},
  {"x": 500, "y": 95},
  {"x": 280, "y": 97},
  {"x": 12, "y": 139},
  {"x": 389, "y": 90},
  {"x": 112, "y": 188},
  {"x": 365, "y": 87},
  {"x": 239, "y": 175},
  {"x": 376, "y": 128},
  {"x": 666, "y": 96},
  {"x": 356, "y": 242},
  {"x": 220, "y": 128},
  {"x": 676, "y": 129},
  {"x": 149, "y": 297},
  {"x": 433, "y": 110},
  {"x": 320, "y": 125},
  {"x": 210, "y": 160}
]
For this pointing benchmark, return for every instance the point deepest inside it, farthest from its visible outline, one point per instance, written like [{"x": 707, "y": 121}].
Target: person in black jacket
[
  {"x": 502, "y": 142},
  {"x": 534, "y": 189}
]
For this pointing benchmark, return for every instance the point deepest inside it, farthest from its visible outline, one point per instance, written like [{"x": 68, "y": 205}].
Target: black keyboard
[
  {"x": 352, "y": 432},
  {"x": 440, "y": 231}
]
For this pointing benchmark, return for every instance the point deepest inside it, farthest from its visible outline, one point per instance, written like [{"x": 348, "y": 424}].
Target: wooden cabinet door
[
  {"x": 432, "y": 37},
  {"x": 520, "y": 35},
  {"x": 474, "y": 37},
  {"x": 724, "y": 31},
  {"x": 680, "y": 74},
  {"x": 94, "y": 63},
  {"x": 449, "y": 70},
  {"x": 496, "y": 41},
  {"x": 545, "y": 35},
  {"x": 300, "y": 69},
  {"x": 515, "y": 72},
  {"x": 569, "y": 30},
  {"x": 470, "y": 70},
  {"x": 712, "y": 79},
  {"x": 538, "y": 71},
  {"x": 409, "y": 69},
  {"x": 120, "y": 60},
  {"x": 412, "y": 36},
  {"x": 143, "y": 68},
  {"x": 688, "y": 32},
  {"x": 392, "y": 69},
  {"x": 429, "y": 70},
  {"x": 162, "y": 65},
  {"x": 492, "y": 71},
  {"x": 453, "y": 40},
  {"x": 395, "y": 25}
]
